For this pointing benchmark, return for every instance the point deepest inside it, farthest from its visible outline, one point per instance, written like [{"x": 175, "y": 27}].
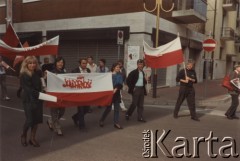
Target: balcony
[
  {"x": 228, "y": 34},
  {"x": 237, "y": 40},
  {"x": 229, "y": 5},
  {"x": 189, "y": 11}
]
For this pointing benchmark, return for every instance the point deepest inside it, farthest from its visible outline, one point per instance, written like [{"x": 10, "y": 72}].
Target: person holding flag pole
[{"x": 187, "y": 77}]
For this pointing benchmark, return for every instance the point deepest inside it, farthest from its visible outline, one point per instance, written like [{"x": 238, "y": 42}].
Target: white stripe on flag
[{"x": 163, "y": 49}]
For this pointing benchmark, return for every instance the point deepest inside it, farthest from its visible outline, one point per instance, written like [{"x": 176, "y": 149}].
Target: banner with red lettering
[{"x": 80, "y": 89}]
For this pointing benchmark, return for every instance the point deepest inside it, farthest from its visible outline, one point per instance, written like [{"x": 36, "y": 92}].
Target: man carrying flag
[{"x": 187, "y": 77}]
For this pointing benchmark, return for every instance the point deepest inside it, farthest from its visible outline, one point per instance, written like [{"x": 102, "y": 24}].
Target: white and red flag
[
  {"x": 49, "y": 47},
  {"x": 80, "y": 89},
  {"x": 165, "y": 55}
]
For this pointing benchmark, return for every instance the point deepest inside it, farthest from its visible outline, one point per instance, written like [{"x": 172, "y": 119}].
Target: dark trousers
[
  {"x": 189, "y": 94},
  {"x": 232, "y": 109},
  {"x": 79, "y": 116},
  {"x": 137, "y": 101},
  {"x": 108, "y": 109}
]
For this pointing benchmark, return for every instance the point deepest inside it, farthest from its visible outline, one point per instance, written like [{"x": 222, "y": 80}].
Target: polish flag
[
  {"x": 49, "y": 47},
  {"x": 19, "y": 58},
  {"x": 165, "y": 55},
  {"x": 11, "y": 39},
  {"x": 80, "y": 89}
]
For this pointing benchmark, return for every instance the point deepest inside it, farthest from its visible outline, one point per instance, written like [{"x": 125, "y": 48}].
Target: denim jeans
[{"x": 116, "y": 112}]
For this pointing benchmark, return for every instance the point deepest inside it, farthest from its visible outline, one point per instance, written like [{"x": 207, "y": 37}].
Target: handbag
[{"x": 226, "y": 83}]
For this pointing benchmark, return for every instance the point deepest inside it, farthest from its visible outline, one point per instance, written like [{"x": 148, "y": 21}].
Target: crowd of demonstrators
[
  {"x": 231, "y": 112},
  {"x": 136, "y": 82},
  {"x": 57, "y": 112},
  {"x": 117, "y": 80},
  {"x": 187, "y": 77},
  {"x": 3, "y": 68},
  {"x": 30, "y": 75},
  {"x": 78, "y": 118},
  {"x": 30, "y": 82}
]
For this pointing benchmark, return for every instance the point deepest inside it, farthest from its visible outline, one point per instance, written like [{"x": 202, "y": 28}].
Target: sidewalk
[{"x": 208, "y": 93}]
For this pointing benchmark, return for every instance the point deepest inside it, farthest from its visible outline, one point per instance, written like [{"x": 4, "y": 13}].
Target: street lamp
[{"x": 157, "y": 7}]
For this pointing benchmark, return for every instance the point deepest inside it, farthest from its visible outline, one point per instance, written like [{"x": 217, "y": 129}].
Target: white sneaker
[{"x": 59, "y": 132}]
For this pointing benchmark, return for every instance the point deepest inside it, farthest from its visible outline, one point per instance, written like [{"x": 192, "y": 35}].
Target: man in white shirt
[{"x": 91, "y": 65}]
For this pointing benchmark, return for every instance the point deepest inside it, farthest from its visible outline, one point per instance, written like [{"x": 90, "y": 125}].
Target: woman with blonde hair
[{"x": 30, "y": 79}]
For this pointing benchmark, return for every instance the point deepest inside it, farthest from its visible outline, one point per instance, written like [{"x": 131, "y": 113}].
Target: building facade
[
  {"x": 91, "y": 28},
  {"x": 223, "y": 26}
]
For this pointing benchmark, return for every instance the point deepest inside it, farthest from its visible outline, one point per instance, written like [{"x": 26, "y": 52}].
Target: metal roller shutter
[
  {"x": 72, "y": 50},
  {"x": 162, "y": 75},
  {"x": 109, "y": 50},
  {"x": 69, "y": 51}
]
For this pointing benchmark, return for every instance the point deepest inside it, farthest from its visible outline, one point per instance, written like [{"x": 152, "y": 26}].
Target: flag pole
[
  {"x": 158, "y": 5},
  {"x": 184, "y": 67}
]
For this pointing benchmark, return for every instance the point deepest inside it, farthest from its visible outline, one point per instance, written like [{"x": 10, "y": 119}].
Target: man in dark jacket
[
  {"x": 78, "y": 118},
  {"x": 187, "y": 77},
  {"x": 136, "y": 86}
]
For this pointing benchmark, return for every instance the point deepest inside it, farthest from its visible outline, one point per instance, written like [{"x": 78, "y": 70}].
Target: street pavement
[{"x": 110, "y": 144}]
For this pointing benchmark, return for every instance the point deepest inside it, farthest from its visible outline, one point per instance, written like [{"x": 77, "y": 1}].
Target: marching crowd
[{"x": 31, "y": 84}]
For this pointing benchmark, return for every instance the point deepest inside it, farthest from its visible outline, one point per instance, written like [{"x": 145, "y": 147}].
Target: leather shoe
[
  {"x": 142, "y": 120},
  {"x": 235, "y": 117},
  {"x": 195, "y": 118},
  {"x": 117, "y": 126},
  {"x": 34, "y": 143}
]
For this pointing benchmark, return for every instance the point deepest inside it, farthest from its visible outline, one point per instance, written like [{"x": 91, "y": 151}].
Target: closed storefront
[
  {"x": 73, "y": 50},
  {"x": 98, "y": 43}
]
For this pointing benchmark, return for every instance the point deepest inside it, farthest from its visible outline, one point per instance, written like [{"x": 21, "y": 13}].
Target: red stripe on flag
[
  {"x": 165, "y": 60},
  {"x": 103, "y": 98}
]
